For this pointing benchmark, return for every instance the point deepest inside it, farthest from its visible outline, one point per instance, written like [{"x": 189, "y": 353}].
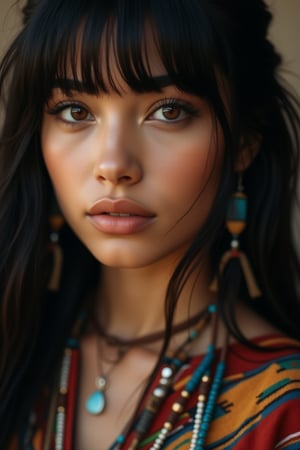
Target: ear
[{"x": 248, "y": 151}]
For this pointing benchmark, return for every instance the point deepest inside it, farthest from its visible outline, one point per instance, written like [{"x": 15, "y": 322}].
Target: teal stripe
[{"x": 271, "y": 408}]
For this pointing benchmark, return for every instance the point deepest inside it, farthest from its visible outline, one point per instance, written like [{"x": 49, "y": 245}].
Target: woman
[{"x": 159, "y": 315}]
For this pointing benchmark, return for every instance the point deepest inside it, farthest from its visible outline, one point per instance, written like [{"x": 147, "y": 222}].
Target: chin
[
  {"x": 125, "y": 254},
  {"x": 122, "y": 259}
]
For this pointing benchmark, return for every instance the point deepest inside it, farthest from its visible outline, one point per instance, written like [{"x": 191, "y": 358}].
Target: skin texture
[
  {"x": 163, "y": 151},
  {"x": 160, "y": 150},
  {"x": 126, "y": 148}
]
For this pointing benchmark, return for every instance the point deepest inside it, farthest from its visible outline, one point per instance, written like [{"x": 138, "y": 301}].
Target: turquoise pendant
[{"x": 96, "y": 402}]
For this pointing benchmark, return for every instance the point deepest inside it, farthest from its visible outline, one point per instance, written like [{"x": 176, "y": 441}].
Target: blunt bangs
[{"x": 79, "y": 39}]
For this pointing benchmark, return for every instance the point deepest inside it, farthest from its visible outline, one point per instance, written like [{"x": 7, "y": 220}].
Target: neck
[{"x": 131, "y": 302}]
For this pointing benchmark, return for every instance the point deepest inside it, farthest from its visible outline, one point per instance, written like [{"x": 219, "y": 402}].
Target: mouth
[
  {"x": 119, "y": 208},
  {"x": 119, "y": 216}
]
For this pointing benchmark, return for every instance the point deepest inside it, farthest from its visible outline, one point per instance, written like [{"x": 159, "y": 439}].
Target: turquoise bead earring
[{"x": 236, "y": 222}]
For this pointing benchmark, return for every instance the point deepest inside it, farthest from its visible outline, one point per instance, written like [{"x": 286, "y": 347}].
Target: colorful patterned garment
[{"x": 258, "y": 407}]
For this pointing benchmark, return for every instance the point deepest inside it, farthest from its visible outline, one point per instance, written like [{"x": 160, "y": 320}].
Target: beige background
[{"x": 285, "y": 32}]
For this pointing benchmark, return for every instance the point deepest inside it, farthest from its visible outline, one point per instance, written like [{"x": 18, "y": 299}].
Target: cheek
[
  {"x": 193, "y": 168},
  {"x": 52, "y": 147},
  {"x": 63, "y": 168},
  {"x": 62, "y": 159}
]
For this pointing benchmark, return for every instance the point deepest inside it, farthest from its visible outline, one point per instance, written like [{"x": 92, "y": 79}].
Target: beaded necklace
[
  {"x": 205, "y": 379},
  {"x": 96, "y": 402}
]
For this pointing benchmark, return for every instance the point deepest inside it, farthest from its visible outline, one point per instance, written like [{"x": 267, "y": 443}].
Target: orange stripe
[{"x": 248, "y": 390}]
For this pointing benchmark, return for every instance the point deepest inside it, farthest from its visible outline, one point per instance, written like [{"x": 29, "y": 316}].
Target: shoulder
[
  {"x": 258, "y": 406},
  {"x": 259, "y": 403},
  {"x": 263, "y": 376},
  {"x": 263, "y": 352}
]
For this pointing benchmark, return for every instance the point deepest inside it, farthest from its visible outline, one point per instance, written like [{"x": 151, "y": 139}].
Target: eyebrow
[{"x": 68, "y": 84}]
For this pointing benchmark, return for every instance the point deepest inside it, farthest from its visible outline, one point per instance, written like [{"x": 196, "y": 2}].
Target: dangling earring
[
  {"x": 235, "y": 224},
  {"x": 56, "y": 222}
]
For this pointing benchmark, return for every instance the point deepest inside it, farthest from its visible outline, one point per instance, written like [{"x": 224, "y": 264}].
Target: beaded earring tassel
[
  {"x": 235, "y": 224},
  {"x": 56, "y": 223}
]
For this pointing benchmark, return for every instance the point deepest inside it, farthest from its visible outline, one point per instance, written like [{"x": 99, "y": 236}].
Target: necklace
[
  {"x": 204, "y": 378},
  {"x": 147, "y": 338},
  {"x": 97, "y": 400},
  {"x": 172, "y": 365},
  {"x": 204, "y": 383}
]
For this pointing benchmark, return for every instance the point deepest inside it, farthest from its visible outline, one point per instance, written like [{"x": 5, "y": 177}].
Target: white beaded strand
[
  {"x": 63, "y": 390},
  {"x": 160, "y": 438},
  {"x": 197, "y": 421},
  {"x": 60, "y": 429},
  {"x": 199, "y": 411}
]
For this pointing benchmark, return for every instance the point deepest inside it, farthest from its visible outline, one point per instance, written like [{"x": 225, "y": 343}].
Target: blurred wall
[
  {"x": 285, "y": 33},
  {"x": 10, "y": 14}
]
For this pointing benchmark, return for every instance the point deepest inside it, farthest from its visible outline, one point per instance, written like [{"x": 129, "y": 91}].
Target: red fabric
[
  {"x": 258, "y": 407},
  {"x": 71, "y": 402}
]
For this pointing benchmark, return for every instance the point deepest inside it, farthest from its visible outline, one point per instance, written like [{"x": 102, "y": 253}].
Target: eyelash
[
  {"x": 62, "y": 106},
  {"x": 185, "y": 107},
  {"x": 188, "y": 108}
]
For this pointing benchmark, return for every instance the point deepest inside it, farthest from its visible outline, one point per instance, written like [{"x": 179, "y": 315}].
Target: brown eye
[
  {"x": 171, "y": 112},
  {"x": 74, "y": 114},
  {"x": 79, "y": 113}
]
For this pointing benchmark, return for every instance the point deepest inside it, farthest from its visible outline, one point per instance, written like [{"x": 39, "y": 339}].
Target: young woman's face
[{"x": 135, "y": 174}]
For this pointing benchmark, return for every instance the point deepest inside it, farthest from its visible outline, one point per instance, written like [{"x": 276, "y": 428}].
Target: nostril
[{"x": 115, "y": 171}]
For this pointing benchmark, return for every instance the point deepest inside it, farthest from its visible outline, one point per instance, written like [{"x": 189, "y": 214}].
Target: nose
[{"x": 117, "y": 160}]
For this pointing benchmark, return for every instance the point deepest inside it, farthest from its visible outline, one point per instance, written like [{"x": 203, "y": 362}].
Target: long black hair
[{"x": 206, "y": 46}]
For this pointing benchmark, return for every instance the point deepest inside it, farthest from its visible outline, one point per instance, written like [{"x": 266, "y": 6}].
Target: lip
[{"x": 133, "y": 218}]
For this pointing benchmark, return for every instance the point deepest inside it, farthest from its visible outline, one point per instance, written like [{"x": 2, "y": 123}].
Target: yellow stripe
[{"x": 244, "y": 397}]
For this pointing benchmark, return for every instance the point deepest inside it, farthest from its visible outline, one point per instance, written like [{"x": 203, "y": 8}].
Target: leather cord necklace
[
  {"x": 96, "y": 402},
  {"x": 114, "y": 340}
]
